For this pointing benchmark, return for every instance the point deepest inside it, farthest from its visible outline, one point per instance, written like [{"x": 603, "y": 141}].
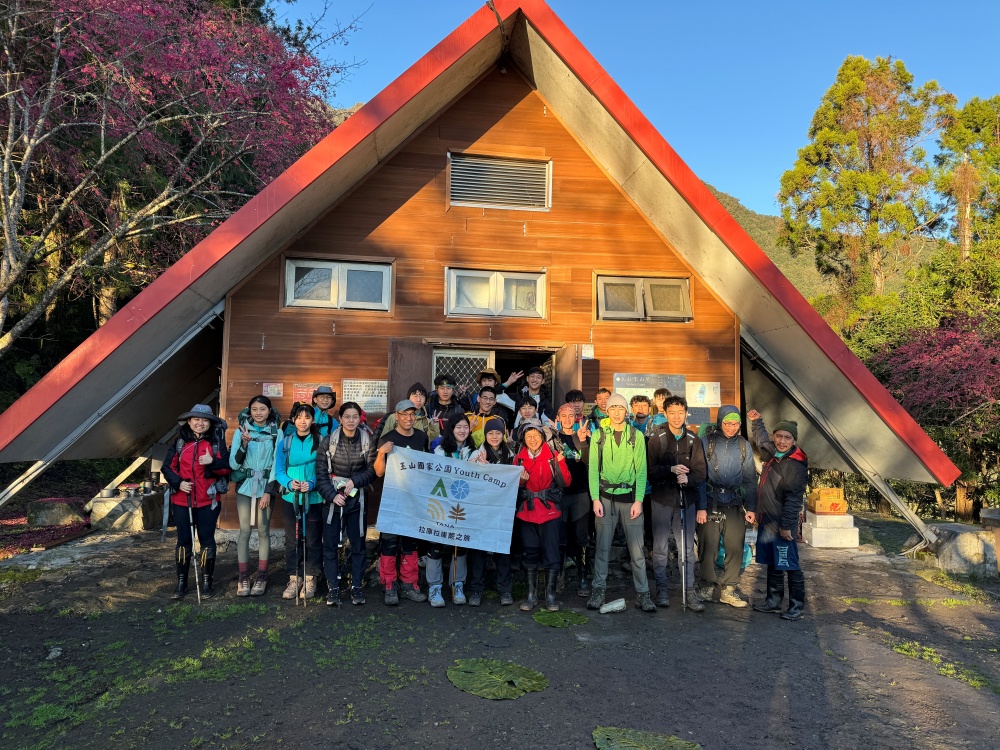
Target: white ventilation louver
[{"x": 496, "y": 182}]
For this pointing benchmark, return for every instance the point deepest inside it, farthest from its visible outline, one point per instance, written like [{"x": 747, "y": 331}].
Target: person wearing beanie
[
  {"x": 780, "y": 495},
  {"x": 677, "y": 472},
  {"x": 731, "y": 489},
  {"x": 494, "y": 450},
  {"x": 617, "y": 482},
  {"x": 575, "y": 536}
]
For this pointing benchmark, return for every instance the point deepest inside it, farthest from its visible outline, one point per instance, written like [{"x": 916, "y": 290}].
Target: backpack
[
  {"x": 221, "y": 485},
  {"x": 244, "y": 420},
  {"x": 629, "y": 441}
]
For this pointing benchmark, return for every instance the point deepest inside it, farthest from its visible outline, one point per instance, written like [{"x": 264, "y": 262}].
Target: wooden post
[{"x": 963, "y": 505}]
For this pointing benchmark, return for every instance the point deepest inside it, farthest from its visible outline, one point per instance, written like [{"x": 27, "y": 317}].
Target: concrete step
[
  {"x": 826, "y": 537},
  {"x": 830, "y": 522}
]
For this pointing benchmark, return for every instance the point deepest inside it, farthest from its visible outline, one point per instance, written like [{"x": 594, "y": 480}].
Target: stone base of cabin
[
  {"x": 966, "y": 549},
  {"x": 127, "y": 512},
  {"x": 55, "y": 511}
]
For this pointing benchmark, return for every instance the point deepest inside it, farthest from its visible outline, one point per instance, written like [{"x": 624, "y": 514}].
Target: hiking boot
[
  {"x": 413, "y": 593},
  {"x": 243, "y": 585},
  {"x": 259, "y": 584},
  {"x": 582, "y": 583},
  {"x": 208, "y": 573},
  {"x": 434, "y": 594},
  {"x": 391, "y": 597},
  {"x": 706, "y": 593},
  {"x": 357, "y": 596},
  {"x": 694, "y": 603},
  {"x": 645, "y": 603},
  {"x": 796, "y": 596},
  {"x": 182, "y": 577},
  {"x": 729, "y": 596},
  {"x": 596, "y": 600},
  {"x": 532, "y": 601},
  {"x": 458, "y": 593},
  {"x": 550, "y": 591},
  {"x": 506, "y": 599},
  {"x": 309, "y": 589},
  {"x": 292, "y": 589},
  {"x": 775, "y": 592},
  {"x": 662, "y": 597},
  {"x": 475, "y": 599},
  {"x": 333, "y": 598}
]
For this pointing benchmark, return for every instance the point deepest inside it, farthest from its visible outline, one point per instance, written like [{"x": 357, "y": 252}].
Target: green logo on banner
[{"x": 439, "y": 489}]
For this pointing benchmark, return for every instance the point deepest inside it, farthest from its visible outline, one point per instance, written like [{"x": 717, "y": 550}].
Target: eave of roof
[{"x": 270, "y": 208}]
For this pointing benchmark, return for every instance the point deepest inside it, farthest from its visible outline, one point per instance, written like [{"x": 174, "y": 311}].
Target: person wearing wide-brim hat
[
  {"x": 324, "y": 398},
  {"x": 193, "y": 468}
]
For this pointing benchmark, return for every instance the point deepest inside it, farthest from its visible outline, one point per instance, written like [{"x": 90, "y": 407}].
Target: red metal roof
[{"x": 264, "y": 206}]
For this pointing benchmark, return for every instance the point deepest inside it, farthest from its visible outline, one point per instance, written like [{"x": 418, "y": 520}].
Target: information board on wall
[
  {"x": 304, "y": 391},
  {"x": 273, "y": 390},
  {"x": 630, "y": 384},
  {"x": 371, "y": 395},
  {"x": 703, "y": 394}
]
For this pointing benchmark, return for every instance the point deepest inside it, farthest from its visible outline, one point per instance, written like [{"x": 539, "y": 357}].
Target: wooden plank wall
[{"x": 401, "y": 213}]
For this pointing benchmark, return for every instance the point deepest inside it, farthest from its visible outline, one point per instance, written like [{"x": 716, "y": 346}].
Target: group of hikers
[{"x": 634, "y": 464}]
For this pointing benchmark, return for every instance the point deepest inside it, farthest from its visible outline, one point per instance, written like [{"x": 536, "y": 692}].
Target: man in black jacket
[{"x": 676, "y": 469}]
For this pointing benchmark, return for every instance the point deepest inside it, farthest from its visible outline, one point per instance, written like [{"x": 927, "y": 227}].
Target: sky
[{"x": 732, "y": 86}]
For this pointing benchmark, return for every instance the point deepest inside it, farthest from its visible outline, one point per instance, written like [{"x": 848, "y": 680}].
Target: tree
[
  {"x": 133, "y": 127},
  {"x": 861, "y": 190},
  {"x": 969, "y": 172}
]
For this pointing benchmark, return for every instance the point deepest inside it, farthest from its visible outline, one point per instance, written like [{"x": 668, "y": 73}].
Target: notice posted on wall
[
  {"x": 630, "y": 384},
  {"x": 273, "y": 390},
  {"x": 303, "y": 392},
  {"x": 371, "y": 395},
  {"x": 703, "y": 394}
]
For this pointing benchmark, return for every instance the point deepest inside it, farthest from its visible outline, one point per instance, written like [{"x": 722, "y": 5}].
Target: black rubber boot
[
  {"x": 532, "y": 601},
  {"x": 550, "y": 591},
  {"x": 183, "y": 565},
  {"x": 207, "y": 573},
  {"x": 775, "y": 591},
  {"x": 583, "y": 583},
  {"x": 796, "y": 596}
]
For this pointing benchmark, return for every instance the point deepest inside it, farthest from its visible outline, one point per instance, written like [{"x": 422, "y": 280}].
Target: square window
[
  {"x": 363, "y": 286},
  {"x": 520, "y": 295},
  {"x": 473, "y": 292},
  {"x": 631, "y": 298},
  {"x": 495, "y": 293}
]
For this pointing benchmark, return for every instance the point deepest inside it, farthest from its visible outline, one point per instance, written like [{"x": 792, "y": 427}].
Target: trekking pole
[
  {"x": 197, "y": 583},
  {"x": 305, "y": 507},
  {"x": 682, "y": 551}
]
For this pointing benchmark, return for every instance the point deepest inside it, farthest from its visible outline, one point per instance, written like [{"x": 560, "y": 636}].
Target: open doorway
[{"x": 515, "y": 360}]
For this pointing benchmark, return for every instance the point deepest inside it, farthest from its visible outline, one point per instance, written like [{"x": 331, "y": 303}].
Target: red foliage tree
[{"x": 136, "y": 124}]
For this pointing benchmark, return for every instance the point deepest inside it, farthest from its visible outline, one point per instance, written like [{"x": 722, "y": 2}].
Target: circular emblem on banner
[{"x": 459, "y": 489}]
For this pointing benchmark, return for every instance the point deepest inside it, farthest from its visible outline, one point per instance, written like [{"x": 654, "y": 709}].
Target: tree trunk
[
  {"x": 52, "y": 269},
  {"x": 963, "y": 502},
  {"x": 107, "y": 295}
]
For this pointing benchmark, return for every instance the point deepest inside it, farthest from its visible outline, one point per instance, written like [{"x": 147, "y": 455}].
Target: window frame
[
  {"x": 338, "y": 293},
  {"x": 497, "y": 279},
  {"x": 644, "y": 296}
]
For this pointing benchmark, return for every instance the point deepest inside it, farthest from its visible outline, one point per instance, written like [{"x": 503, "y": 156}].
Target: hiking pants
[
  {"x": 617, "y": 512},
  {"x": 204, "y": 522},
  {"x": 434, "y": 566},
  {"x": 346, "y": 521},
  {"x": 540, "y": 545},
  {"x": 729, "y": 522},
  {"x": 263, "y": 529},
  {"x": 667, "y": 518},
  {"x": 409, "y": 570},
  {"x": 576, "y": 511},
  {"x": 477, "y": 572},
  {"x": 293, "y": 540}
]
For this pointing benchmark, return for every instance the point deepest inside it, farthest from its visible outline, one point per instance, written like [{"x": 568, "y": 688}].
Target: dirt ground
[{"x": 96, "y": 653}]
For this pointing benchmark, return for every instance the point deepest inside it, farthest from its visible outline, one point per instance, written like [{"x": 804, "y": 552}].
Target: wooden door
[
  {"x": 410, "y": 361},
  {"x": 568, "y": 373}
]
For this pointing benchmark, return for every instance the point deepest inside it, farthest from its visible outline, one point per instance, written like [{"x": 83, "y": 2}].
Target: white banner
[{"x": 447, "y": 501}]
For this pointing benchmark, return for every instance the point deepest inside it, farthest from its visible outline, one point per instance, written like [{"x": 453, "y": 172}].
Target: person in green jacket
[{"x": 617, "y": 471}]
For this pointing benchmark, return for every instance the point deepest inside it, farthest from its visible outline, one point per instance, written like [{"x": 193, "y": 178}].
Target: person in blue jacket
[
  {"x": 295, "y": 472},
  {"x": 731, "y": 491},
  {"x": 323, "y": 399}
]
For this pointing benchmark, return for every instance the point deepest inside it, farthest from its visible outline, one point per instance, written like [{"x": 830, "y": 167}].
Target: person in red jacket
[
  {"x": 538, "y": 511},
  {"x": 193, "y": 465}
]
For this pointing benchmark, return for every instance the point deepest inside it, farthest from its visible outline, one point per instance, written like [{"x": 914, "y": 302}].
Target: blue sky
[{"x": 731, "y": 86}]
